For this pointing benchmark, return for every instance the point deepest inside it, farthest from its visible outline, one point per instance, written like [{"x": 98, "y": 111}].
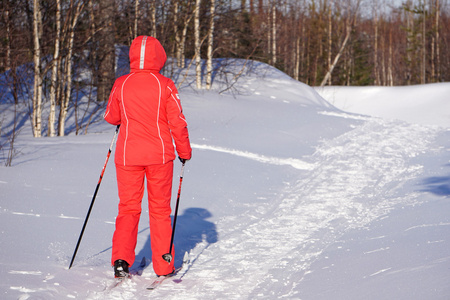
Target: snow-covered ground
[
  {"x": 288, "y": 195},
  {"x": 421, "y": 104}
]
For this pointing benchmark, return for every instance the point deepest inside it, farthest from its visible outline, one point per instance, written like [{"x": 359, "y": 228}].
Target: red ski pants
[{"x": 130, "y": 182}]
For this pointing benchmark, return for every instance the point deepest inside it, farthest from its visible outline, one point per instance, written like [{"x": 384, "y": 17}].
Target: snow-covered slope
[
  {"x": 421, "y": 104},
  {"x": 286, "y": 197}
]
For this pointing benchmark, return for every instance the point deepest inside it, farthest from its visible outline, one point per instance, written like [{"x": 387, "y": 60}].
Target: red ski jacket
[{"x": 147, "y": 106}]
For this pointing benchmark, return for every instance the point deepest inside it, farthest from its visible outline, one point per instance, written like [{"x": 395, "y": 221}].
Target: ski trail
[
  {"x": 293, "y": 162},
  {"x": 275, "y": 251},
  {"x": 354, "y": 184}
]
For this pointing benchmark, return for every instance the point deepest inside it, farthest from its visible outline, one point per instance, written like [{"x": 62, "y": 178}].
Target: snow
[
  {"x": 288, "y": 195},
  {"x": 421, "y": 104}
]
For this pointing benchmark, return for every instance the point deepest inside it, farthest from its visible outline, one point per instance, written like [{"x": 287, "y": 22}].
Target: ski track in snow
[
  {"x": 293, "y": 162},
  {"x": 369, "y": 161}
]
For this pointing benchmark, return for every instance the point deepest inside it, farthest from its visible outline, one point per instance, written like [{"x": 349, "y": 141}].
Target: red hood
[{"x": 146, "y": 53}]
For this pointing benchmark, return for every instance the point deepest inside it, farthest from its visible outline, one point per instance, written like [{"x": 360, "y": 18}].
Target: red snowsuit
[{"x": 147, "y": 107}]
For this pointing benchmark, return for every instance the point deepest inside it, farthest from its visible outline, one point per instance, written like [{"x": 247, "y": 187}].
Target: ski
[
  {"x": 159, "y": 280},
  {"x": 119, "y": 281}
]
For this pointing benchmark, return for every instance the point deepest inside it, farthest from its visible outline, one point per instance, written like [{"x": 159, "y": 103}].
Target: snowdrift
[{"x": 421, "y": 104}]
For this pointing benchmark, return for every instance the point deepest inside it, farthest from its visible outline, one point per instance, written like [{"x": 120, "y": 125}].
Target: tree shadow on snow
[
  {"x": 437, "y": 185},
  {"x": 191, "y": 229}
]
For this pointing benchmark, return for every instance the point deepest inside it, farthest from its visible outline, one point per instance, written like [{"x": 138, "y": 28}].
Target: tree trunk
[
  {"x": 303, "y": 50},
  {"x": 375, "y": 49},
  {"x": 274, "y": 34},
  {"x": 390, "y": 71},
  {"x": 54, "y": 79},
  {"x": 37, "y": 95},
  {"x": 153, "y": 16},
  {"x": 297, "y": 59},
  {"x": 8, "y": 36},
  {"x": 198, "y": 67},
  {"x": 269, "y": 34},
  {"x": 424, "y": 45},
  {"x": 336, "y": 59},
  {"x": 136, "y": 17},
  {"x": 329, "y": 42},
  {"x": 106, "y": 50},
  {"x": 181, "y": 41},
  {"x": 68, "y": 71},
  {"x": 438, "y": 56},
  {"x": 92, "y": 47},
  {"x": 177, "y": 34},
  {"x": 383, "y": 79},
  {"x": 9, "y": 65},
  {"x": 209, "y": 67},
  {"x": 409, "y": 42}
]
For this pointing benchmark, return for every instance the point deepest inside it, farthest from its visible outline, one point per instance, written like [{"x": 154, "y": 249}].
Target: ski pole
[
  {"x": 95, "y": 195},
  {"x": 168, "y": 256}
]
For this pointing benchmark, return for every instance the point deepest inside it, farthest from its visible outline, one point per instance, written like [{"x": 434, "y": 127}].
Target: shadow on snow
[{"x": 191, "y": 229}]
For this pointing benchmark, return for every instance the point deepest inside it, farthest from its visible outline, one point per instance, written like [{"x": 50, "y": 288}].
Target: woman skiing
[{"x": 147, "y": 106}]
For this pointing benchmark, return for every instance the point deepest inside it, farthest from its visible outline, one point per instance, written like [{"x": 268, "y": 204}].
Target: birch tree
[
  {"x": 375, "y": 46},
  {"x": 180, "y": 37},
  {"x": 68, "y": 68},
  {"x": 437, "y": 39},
  {"x": 210, "y": 46},
  {"x": 409, "y": 40},
  {"x": 338, "y": 56},
  {"x": 10, "y": 65},
  {"x": 390, "y": 75},
  {"x": 55, "y": 65},
  {"x": 274, "y": 33},
  {"x": 136, "y": 17},
  {"x": 330, "y": 40},
  {"x": 106, "y": 50},
  {"x": 7, "y": 18},
  {"x": 37, "y": 94},
  {"x": 349, "y": 24},
  {"x": 153, "y": 18},
  {"x": 424, "y": 42},
  {"x": 198, "y": 67},
  {"x": 181, "y": 50},
  {"x": 176, "y": 33}
]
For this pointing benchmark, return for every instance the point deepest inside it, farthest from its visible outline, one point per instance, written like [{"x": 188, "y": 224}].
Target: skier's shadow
[{"x": 191, "y": 229}]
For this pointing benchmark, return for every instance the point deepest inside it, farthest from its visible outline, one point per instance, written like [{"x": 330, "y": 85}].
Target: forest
[{"x": 318, "y": 42}]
